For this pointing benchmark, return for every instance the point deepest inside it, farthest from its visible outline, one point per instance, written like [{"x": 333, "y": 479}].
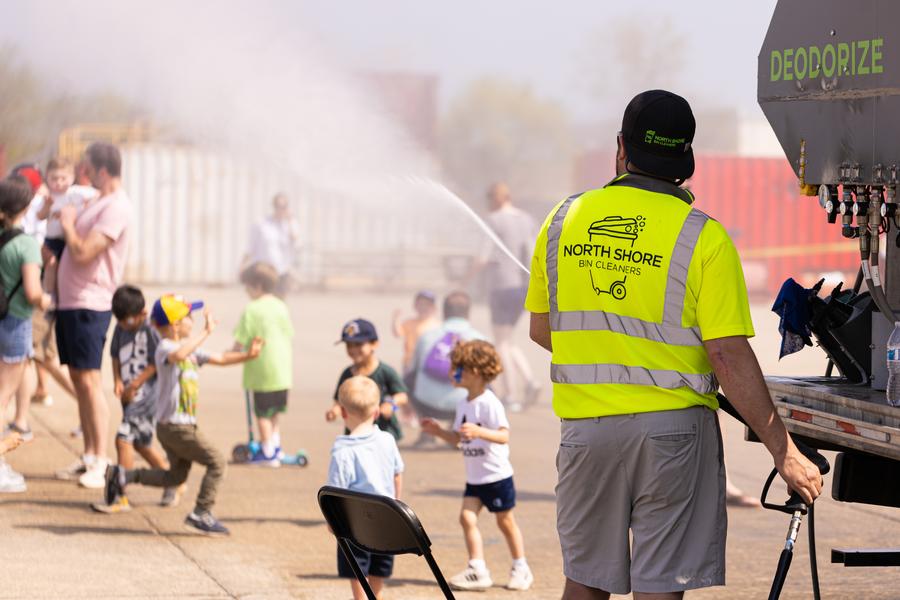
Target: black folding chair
[{"x": 376, "y": 524}]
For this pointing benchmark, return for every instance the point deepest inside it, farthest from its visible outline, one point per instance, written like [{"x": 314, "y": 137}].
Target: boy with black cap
[
  {"x": 178, "y": 358},
  {"x": 361, "y": 339},
  {"x": 635, "y": 380}
]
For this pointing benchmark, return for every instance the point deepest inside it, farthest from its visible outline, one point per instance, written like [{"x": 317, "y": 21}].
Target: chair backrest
[{"x": 373, "y": 523}]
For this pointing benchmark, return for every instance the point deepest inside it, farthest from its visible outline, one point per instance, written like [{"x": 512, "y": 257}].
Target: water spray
[{"x": 442, "y": 190}]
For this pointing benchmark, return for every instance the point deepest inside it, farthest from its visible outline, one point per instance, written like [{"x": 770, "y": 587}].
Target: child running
[
  {"x": 362, "y": 342},
  {"x": 132, "y": 348},
  {"x": 364, "y": 460},
  {"x": 481, "y": 430},
  {"x": 178, "y": 358},
  {"x": 268, "y": 379}
]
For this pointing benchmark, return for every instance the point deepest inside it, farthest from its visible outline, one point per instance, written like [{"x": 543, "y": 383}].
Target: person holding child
[
  {"x": 178, "y": 360},
  {"x": 364, "y": 459},
  {"x": 481, "y": 431}
]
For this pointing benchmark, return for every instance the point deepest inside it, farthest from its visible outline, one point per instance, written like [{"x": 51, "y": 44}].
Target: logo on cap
[{"x": 648, "y": 138}]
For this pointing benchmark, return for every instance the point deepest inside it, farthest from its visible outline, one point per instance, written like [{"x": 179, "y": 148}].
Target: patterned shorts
[{"x": 137, "y": 430}]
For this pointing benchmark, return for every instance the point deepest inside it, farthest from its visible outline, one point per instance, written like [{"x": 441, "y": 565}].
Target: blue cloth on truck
[{"x": 792, "y": 305}]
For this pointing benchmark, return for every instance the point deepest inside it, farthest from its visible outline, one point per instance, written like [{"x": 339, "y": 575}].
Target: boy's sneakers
[
  {"x": 261, "y": 460},
  {"x": 471, "y": 580},
  {"x": 73, "y": 471},
  {"x": 26, "y": 434},
  {"x": 205, "y": 523},
  {"x": 11, "y": 482},
  {"x": 114, "y": 484},
  {"x": 172, "y": 495},
  {"x": 520, "y": 578},
  {"x": 94, "y": 476},
  {"x": 119, "y": 505}
]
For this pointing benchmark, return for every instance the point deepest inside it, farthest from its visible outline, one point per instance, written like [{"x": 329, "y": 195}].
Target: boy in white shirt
[
  {"x": 60, "y": 177},
  {"x": 481, "y": 431}
]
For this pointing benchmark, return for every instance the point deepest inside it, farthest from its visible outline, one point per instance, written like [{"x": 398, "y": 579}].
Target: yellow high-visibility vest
[{"x": 623, "y": 277}]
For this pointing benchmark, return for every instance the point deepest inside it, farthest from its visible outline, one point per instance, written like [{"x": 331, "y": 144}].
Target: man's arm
[
  {"x": 742, "y": 381},
  {"x": 540, "y": 330},
  {"x": 84, "y": 250}
]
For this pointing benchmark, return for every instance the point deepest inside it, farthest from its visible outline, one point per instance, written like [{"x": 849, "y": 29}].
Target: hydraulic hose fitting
[
  {"x": 861, "y": 212},
  {"x": 846, "y": 210}
]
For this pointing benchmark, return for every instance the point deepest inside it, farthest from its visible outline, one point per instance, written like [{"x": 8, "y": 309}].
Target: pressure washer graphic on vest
[{"x": 621, "y": 228}]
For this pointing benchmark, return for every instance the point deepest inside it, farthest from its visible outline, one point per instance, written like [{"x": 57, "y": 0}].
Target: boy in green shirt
[{"x": 268, "y": 378}]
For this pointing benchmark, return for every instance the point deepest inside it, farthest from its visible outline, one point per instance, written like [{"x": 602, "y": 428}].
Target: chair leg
[
  {"x": 448, "y": 593},
  {"x": 360, "y": 577}
]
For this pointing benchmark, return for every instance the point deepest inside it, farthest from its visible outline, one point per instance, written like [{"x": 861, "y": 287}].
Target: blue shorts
[
  {"x": 15, "y": 340},
  {"x": 507, "y": 305},
  {"x": 375, "y": 565},
  {"x": 499, "y": 496},
  {"x": 80, "y": 337},
  {"x": 56, "y": 246}
]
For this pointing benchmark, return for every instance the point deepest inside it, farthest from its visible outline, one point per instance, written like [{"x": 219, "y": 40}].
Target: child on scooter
[{"x": 268, "y": 379}]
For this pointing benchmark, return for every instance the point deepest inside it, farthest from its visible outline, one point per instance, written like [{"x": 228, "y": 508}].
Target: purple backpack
[{"x": 437, "y": 362}]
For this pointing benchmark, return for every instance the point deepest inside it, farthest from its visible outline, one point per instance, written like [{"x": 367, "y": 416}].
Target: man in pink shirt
[{"x": 90, "y": 270}]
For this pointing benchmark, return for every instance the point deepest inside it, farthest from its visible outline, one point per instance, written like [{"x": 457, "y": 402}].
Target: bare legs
[{"x": 92, "y": 409}]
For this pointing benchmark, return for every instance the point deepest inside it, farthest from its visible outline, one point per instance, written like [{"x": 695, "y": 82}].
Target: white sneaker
[
  {"x": 471, "y": 580},
  {"x": 10, "y": 481},
  {"x": 520, "y": 579},
  {"x": 95, "y": 475},
  {"x": 72, "y": 472}
]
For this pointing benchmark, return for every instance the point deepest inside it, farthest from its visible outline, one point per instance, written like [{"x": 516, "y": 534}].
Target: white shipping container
[{"x": 194, "y": 210}]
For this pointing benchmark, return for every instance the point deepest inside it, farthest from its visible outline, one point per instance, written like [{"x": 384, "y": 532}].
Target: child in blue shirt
[{"x": 364, "y": 460}]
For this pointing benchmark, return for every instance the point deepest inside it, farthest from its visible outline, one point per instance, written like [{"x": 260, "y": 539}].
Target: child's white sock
[
  {"x": 276, "y": 439},
  {"x": 520, "y": 563},
  {"x": 268, "y": 448},
  {"x": 88, "y": 459},
  {"x": 478, "y": 564}
]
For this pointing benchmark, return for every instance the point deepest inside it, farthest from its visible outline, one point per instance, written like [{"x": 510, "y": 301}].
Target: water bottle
[{"x": 893, "y": 366}]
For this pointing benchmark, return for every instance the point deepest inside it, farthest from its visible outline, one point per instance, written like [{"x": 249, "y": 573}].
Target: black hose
[
  {"x": 813, "y": 565},
  {"x": 784, "y": 563}
]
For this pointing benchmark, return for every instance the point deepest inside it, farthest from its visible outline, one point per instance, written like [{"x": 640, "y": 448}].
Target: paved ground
[{"x": 52, "y": 545}]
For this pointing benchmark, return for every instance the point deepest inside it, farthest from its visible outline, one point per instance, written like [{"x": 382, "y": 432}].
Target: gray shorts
[
  {"x": 659, "y": 475},
  {"x": 137, "y": 430}
]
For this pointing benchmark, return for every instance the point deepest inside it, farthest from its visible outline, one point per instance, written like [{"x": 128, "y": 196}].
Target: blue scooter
[{"x": 244, "y": 453}]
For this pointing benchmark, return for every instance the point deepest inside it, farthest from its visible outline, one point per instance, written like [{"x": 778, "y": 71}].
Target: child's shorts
[
  {"x": 268, "y": 404},
  {"x": 376, "y": 565},
  {"x": 499, "y": 496},
  {"x": 56, "y": 246},
  {"x": 15, "y": 340},
  {"x": 137, "y": 430}
]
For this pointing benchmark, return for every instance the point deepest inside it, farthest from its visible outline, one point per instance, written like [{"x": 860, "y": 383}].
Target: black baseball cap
[
  {"x": 358, "y": 331},
  {"x": 657, "y": 130}
]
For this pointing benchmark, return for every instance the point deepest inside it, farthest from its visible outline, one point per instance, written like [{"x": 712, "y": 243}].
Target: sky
[{"x": 542, "y": 44}]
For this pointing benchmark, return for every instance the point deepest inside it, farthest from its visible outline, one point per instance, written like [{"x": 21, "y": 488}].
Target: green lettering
[
  {"x": 863, "y": 68},
  {"x": 776, "y": 60},
  {"x": 815, "y": 62},
  {"x": 789, "y": 64},
  {"x": 877, "y": 67},
  {"x": 828, "y": 70},
  {"x": 798, "y": 71},
  {"x": 843, "y": 53}
]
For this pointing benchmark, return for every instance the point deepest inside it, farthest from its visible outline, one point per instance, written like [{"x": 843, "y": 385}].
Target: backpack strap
[{"x": 6, "y": 237}]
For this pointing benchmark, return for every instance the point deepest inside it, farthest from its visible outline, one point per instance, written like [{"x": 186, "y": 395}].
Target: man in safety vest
[{"x": 641, "y": 300}]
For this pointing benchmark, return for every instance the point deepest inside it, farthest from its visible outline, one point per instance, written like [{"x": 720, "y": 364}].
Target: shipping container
[{"x": 193, "y": 211}]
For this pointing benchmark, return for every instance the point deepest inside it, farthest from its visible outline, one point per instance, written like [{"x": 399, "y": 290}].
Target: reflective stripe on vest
[
  {"x": 702, "y": 383},
  {"x": 670, "y": 331}
]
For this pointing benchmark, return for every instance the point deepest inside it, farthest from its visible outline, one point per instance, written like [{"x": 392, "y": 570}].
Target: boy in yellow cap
[{"x": 178, "y": 358}]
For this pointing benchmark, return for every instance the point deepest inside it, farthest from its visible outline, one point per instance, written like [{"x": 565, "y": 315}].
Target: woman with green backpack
[{"x": 20, "y": 272}]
